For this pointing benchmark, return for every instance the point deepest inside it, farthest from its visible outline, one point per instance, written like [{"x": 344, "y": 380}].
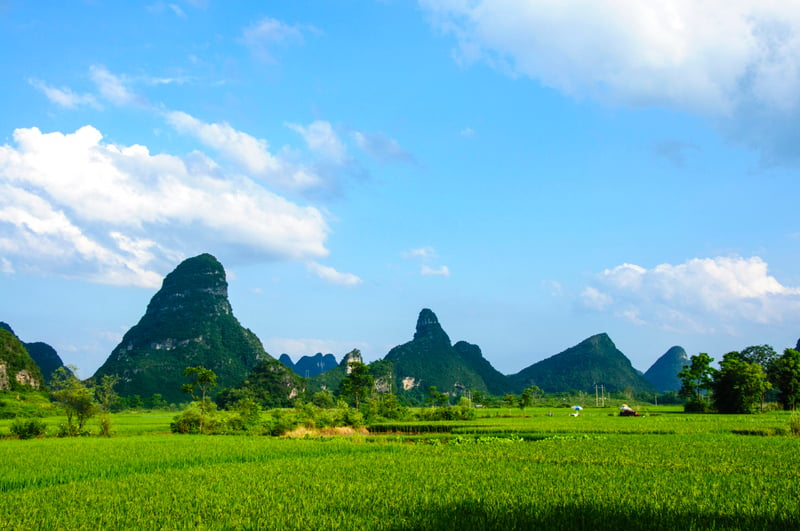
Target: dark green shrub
[
  {"x": 695, "y": 406},
  {"x": 28, "y": 428}
]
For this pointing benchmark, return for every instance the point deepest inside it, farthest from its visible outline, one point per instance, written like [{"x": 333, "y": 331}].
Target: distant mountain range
[
  {"x": 308, "y": 366},
  {"x": 190, "y": 322}
]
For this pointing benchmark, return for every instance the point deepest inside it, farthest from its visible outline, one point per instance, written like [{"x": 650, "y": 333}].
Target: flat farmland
[{"x": 505, "y": 470}]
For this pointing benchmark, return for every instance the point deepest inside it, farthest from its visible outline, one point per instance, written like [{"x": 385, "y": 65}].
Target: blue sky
[{"x": 534, "y": 172}]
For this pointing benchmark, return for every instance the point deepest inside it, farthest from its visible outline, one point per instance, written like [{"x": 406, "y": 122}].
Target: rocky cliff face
[
  {"x": 188, "y": 322},
  {"x": 45, "y": 356},
  {"x": 17, "y": 368}
]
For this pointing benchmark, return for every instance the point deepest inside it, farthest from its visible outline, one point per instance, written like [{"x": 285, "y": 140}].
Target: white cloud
[
  {"x": 65, "y": 97},
  {"x": 73, "y": 205},
  {"x": 733, "y": 61},
  {"x": 701, "y": 295},
  {"x": 323, "y": 141},
  {"x": 333, "y": 276},
  {"x": 594, "y": 299},
  {"x": 113, "y": 87},
  {"x": 425, "y": 255},
  {"x": 442, "y": 271},
  {"x": 6, "y": 266},
  {"x": 262, "y": 36},
  {"x": 248, "y": 152}
]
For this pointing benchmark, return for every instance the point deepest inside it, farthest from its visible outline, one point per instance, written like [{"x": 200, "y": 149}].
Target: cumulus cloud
[
  {"x": 732, "y": 61},
  {"x": 700, "y": 295},
  {"x": 333, "y": 276},
  {"x": 75, "y": 205},
  {"x": 250, "y": 153}
]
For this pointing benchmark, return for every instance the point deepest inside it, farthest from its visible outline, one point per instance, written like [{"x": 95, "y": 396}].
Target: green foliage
[
  {"x": 28, "y": 428},
  {"x": 738, "y": 385},
  {"x": 323, "y": 399},
  {"x": 358, "y": 384},
  {"x": 794, "y": 424},
  {"x": 696, "y": 379},
  {"x": 270, "y": 384},
  {"x": 104, "y": 391},
  {"x": 203, "y": 381},
  {"x": 785, "y": 375},
  {"x": 196, "y": 418},
  {"x": 24, "y": 404},
  {"x": 75, "y": 398},
  {"x": 17, "y": 360}
]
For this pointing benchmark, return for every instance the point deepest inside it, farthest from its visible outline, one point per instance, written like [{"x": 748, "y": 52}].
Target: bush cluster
[{"x": 28, "y": 428}]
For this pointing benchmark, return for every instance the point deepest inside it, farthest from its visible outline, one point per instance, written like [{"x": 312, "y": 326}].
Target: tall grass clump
[{"x": 794, "y": 424}]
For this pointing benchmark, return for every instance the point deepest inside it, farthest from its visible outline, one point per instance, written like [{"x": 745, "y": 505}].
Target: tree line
[{"x": 744, "y": 381}]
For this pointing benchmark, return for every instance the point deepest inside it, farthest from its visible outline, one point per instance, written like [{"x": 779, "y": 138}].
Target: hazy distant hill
[
  {"x": 595, "y": 360},
  {"x": 188, "y": 322},
  {"x": 309, "y": 366},
  {"x": 18, "y": 371},
  {"x": 431, "y": 360},
  {"x": 45, "y": 356},
  {"x": 663, "y": 374}
]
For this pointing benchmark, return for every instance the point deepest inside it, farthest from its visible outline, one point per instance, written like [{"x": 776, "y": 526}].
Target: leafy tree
[
  {"x": 323, "y": 399},
  {"x": 763, "y": 355},
  {"x": 435, "y": 398},
  {"x": 526, "y": 398},
  {"x": 509, "y": 400},
  {"x": 738, "y": 385},
  {"x": 357, "y": 385},
  {"x": 696, "y": 380},
  {"x": 74, "y": 397},
  {"x": 204, "y": 381},
  {"x": 157, "y": 401},
  {"x": 785, "y": 374},
  {"x": 107, "y": 398}
]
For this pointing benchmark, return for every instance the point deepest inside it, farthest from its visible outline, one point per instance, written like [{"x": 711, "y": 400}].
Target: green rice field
[{"x": 505, "y": 470}]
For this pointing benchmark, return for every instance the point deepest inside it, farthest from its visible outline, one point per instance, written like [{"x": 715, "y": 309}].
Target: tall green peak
[
  {"x": 663, "y": 374},
  {"x": 428, "y": 327},
  {"x": 188, "y": 322},
  {"x": 594, "y": 361},
  {"x": 430, "y": 360}
]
